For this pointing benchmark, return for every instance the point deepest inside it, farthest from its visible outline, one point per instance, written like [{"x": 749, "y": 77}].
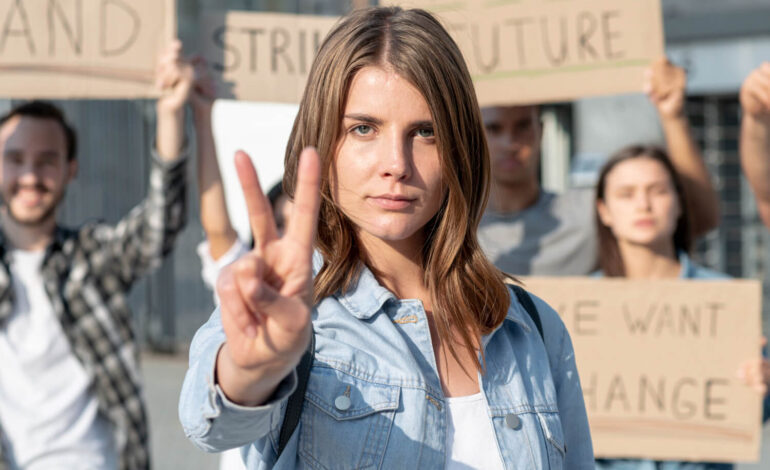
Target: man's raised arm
[{"x": 755, "y": 136}]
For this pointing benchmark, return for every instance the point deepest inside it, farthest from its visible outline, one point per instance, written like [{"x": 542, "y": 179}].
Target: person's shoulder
[
  {"x": 693, "y": 270},
  {"x": 548, "y": 316},
  {"x": 572, "y": 202},
  {"x": 582, "y": 197},
  {"x": 701, "y": 272},
  {"x": 553, "y": 325}
]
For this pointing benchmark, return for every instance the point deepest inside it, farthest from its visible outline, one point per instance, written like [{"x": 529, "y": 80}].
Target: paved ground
[{"x": 171, "y": 450}]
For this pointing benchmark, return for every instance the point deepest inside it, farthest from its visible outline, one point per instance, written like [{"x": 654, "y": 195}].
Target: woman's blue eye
[
  {"x": 363, "y": 129},
  {"x": 425, "y": 133}
]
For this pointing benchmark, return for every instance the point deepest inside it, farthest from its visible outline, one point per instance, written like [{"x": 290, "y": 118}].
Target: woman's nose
[
  {"x": 643, "y": 200},
  {"x": 396, "y": 161}
]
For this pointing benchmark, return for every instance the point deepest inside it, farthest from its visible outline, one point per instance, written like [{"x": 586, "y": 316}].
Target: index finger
[
  {"x": 307, "y": 199},
  {"x": 260, "y": 214}
]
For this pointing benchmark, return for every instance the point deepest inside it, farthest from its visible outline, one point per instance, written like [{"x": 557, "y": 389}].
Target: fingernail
[{"x": 250, "y": 331}]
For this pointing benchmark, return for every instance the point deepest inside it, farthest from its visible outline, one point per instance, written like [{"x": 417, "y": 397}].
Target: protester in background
[
  {"x": 70, "y": 393},
  {"x": 423, "y": 359},
  {"x": 527, "y": 230},
  {"x": 755, "y": 136},
  {"x": 221, "y": 245},
  {"x": 643, "y": 232}
]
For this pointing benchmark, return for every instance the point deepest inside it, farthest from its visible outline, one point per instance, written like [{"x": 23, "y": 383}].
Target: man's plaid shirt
[{"x": 87, "y": 274}]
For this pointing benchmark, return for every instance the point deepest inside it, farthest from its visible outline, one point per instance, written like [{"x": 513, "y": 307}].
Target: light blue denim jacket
[
  {"x": 376, "y": 350},
  {"x": 689, "y": 270}
]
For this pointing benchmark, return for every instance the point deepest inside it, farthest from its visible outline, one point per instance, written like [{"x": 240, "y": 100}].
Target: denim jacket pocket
[
  {"x": 346, "y": 420},
  {"x": 554, "y": 438}
]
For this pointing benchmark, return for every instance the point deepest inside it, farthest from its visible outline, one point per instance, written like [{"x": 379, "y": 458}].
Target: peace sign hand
[{"x": 266, "y": 295}]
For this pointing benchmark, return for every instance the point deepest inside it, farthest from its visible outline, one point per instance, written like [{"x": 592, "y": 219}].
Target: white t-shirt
[
  {"x": 48, "y": 411},
  {"x": 471, "y": 440},
  {"x": 210, "y": 267}
]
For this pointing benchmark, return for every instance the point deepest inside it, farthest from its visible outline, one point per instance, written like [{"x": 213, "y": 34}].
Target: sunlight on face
[{"x": 386, "y": 177}]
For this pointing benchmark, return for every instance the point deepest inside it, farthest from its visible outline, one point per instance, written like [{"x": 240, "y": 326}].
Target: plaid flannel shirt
[{"x": 87, "y": 273}]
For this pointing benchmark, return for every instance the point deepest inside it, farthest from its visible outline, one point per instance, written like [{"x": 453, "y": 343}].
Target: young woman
[
  {"x": 643, "y": 234},
  {"x": 423, "y": 356}
]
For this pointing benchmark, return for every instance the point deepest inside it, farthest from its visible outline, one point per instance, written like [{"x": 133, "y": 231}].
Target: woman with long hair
[
  {"x": 644, "y": 234},
  {"x": 422, "y": 357}
]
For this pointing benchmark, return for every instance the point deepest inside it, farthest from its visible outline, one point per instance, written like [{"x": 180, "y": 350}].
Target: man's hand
[
  {"x": 204, "y": 90},
  {"x": 174, "y": 77},
  {"x": 755, "y": 136},
  {"x": 266, "y": 296},
  {"x": 665, "y": 84},
  {"x": 755, "y": 94}
]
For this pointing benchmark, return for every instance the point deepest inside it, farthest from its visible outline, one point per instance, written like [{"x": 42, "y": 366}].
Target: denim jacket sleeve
[
  {"x": 210, "y": 420},
  {"x": 572, "y": 411}
]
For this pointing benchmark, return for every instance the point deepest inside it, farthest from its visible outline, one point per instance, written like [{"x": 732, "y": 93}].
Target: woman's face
[
  {"x": 640, "y": 203},
  {"x": 386, "y": 176}
]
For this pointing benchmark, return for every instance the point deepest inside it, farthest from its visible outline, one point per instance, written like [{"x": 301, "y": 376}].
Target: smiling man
[{"x": 70, "y": 394}]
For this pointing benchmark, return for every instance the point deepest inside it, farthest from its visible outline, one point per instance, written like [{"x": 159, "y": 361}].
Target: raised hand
[
  {"x": 174, "y": 77},
  {"x": 204, "y": 90},
  {"x": 755, "y": 93},
  {"x": 266, "y": 296},
  {"x": 665, "y": 85}
]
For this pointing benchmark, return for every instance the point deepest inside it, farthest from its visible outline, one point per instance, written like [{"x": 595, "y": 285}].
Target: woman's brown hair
[
  {"x": 610, "y": 259},
  {"x": 468, "y": 293}
]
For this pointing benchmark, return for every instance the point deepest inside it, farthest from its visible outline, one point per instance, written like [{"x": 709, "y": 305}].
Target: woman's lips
[
  {"x": 644, "y": 223},
  {"x": 391, "y": 202}
]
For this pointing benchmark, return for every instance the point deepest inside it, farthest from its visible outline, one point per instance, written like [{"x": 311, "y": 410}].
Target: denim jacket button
[
  {"x": 342, "y": 403},
  {"x": 513, "y": 422}
]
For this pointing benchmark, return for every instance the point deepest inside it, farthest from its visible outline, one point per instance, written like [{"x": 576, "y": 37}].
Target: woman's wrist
[{"x": 247, "y": 386}]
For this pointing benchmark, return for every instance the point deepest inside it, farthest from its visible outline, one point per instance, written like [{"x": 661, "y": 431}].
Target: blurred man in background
[
  {"x": 529, "y": 231},
  {"x": 70, "y": 392}
]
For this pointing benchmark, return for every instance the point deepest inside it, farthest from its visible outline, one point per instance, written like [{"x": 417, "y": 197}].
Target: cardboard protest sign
[
  {"x": 658, "y": 361},
  {"x": 535, "y": 51},
  {"x": 82, "y": 48},
  {"x": 262, "y": 56}
]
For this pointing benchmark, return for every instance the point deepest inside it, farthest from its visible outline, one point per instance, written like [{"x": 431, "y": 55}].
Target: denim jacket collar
[
  {"x": 368, "y": 297},
  {"x": 516, "y": 313}
]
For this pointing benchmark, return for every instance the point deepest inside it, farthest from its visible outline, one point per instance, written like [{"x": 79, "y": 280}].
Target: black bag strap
[
  {"x": 526, "y": 301},
  {"x": 297, "y": 399}
]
